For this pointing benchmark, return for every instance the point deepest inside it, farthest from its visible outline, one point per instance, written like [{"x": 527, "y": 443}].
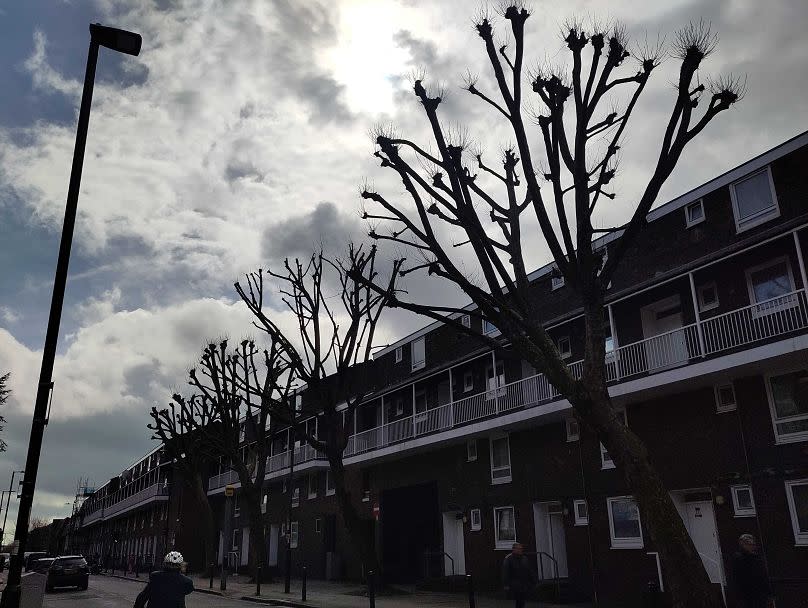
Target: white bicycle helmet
[{"x": 173, "y": 559}]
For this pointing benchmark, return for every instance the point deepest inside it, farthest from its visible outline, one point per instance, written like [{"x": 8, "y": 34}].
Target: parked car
[
  {"x": 68, "y": 571},
  {"x": 31, "y": 556},
  {"x": 42, "y": 565},
  {"x": 4, "y": 559}
]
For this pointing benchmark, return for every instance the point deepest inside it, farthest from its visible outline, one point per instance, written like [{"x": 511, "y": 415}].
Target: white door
[
  {"x": 221, "y": 549},
  {"x": 453, "y": 544},
  {"x": 700, "y": 523},
  {"x": 274, "y": 533},
  {"x": 660, "y": 320},
  {"x": 245, "y": 546},
  {"x": 551, "y": 542}
]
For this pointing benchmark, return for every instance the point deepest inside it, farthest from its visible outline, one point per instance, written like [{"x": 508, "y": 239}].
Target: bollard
[
  {"x": 303, "y": 586},
  {"x": 212, "y": 567},
  {"x": 288, "y": 578},
  {"x": 371, "y": 589},
  {"x": 258, "y": 579},
  {"x": 137, "y": 567},
  {"x": 470, "y": 585}
]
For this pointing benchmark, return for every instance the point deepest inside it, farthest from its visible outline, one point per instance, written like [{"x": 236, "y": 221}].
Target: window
[
  {"x": 235, "y": 540},
  {"x": 788, "y": 401},
  {"x": 573, "y": 430},
  {"x": 468, "y": 382},
  {"x": 318, "y": 525},
  {"x": 496, "y": 383},
  {"x": 418, "y": 353},
  {"x": 500, "y": 460},
  {"x": 769, "y": 285},
  {"x": 504, "y": 527},
  {"x": 236, "y": 508},
  {"x": 465, "y": 320},
  {"x": 330, "y": 488},
  {"x": 581, "y": 512},
  {"x": 295, "y": 497},
  {"x": 399, "y": 354},
  {"x": 694, "y": 213},
  {"x": 476, "y": 520},
  {"x": 606, "y": 461},
  {"x": 742, "y": 501},
  {"x": 708, "y": 296},
  {"x": 564, "y": 347},
  {"x": 753, "y": 200},
  {"x": 241, "y": 432},
  {"x": 624, "y": 523},
  {"x": 725, "y": 398},
  {"x": 313, "y": 485},
  {"x": 488, "y": 327},
  {"x": 264, "y": 502},
  {"x": 399, "y": 406},
  {"x": 283, "y": 487},
  {"x": 556, "y": 279},
  {"x": 471, "y": 450},
  {"x": 295, "y": 535},
  {"x": 797, "y": 495}
]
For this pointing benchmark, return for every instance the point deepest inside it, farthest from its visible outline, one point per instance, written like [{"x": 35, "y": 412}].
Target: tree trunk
[
  {"x": 360, "y": 534},
  {"x": 208, "y": 523},
  {"x": 258, "y": 546}
]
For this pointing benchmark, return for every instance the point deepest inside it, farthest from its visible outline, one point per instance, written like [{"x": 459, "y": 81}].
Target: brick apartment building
[{"x": 460, "y": 451}]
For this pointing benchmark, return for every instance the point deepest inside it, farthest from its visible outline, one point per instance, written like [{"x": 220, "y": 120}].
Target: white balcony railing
[
  {"x": 278, "y": 462},
  {"x": 754, "y": 323},
  {"x": 152, "y": 491}
]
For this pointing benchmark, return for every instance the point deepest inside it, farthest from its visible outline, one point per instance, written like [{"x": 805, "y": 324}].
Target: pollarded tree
[
  {"x": 4, "y": 393},
  {"x": 579, "y": 134},
  {"x": 178, "y": 428},
  {"x": 328, "y": 353},
  {"x": 235, "y": 392}
]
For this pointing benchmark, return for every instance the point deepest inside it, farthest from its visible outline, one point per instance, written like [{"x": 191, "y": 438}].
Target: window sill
[
  {"x": 791, "y": 439},
  {"x": 331, "y": 493},
  {"x": 742, "y": 515},
  {"x": 695, "y": 223},
  {"x": 633, "y": 546},
  {"x": 607, "y": 467},
  {"x": 726, "y": 410},
  {"x": 497, "y": 482},
  {"x": 773, "y": 214},
  {"x": 581, "y": 524},
  {"x": 503, "y": 547}
]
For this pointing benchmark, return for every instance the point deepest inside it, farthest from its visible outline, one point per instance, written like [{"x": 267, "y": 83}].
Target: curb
[{"x": 274, "y": 602}]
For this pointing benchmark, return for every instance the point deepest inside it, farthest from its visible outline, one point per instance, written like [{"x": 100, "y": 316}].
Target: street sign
[{"x": 229, "y": 490}]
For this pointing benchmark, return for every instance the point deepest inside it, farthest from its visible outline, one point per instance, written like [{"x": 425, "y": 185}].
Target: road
[{"x": 108, "y": 592}]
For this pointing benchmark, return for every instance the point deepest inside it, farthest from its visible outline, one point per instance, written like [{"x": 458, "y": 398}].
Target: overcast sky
[{"x": 239, "y": 136}]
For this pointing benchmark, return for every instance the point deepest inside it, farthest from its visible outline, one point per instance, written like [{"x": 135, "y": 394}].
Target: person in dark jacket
[
  {"x": 168, "y": 587},
  {"x": 518, "y": 577},
  {"x": 749, "y": 573}
]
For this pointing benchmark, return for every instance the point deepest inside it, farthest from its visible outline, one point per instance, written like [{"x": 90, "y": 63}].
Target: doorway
[
  {"x": 661, "y": 319},
  {"x": 411, "y": 523},
  {"x": 698, "y": 516},
  {"x": 551, "y": 541},
  {"x": 274, "y": 535},
  {"x": 454, "y": 562}
]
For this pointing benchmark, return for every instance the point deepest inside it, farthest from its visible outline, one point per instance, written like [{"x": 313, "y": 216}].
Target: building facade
[{"x": 460, "y": 450}]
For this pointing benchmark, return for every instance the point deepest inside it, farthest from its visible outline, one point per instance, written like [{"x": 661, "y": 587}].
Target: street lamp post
[
  {"x": 8, "y": 500},
  {"x": 122, "y": 42}
]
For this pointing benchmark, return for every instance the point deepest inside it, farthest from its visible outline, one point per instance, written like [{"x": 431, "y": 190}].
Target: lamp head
[{"x": 115, "y": 39}]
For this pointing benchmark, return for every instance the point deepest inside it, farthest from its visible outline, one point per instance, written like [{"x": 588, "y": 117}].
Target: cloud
[
  {"x": 9, "y": 315},
  {"x": 43, "y": 76}
]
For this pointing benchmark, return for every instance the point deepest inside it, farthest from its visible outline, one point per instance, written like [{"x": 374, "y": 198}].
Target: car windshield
[
  {"x": 70, "y": 562},
  {"x": 43, "y": 562}
]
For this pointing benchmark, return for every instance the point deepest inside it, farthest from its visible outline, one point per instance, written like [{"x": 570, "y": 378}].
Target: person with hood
[
  {"x": 518, "y": 577},
  {"x": 749, "y": 574},
  {"x": 168, "y": 587}
]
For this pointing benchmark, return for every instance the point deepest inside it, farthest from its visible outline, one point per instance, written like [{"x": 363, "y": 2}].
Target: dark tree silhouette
[
  {"x": 178, "y": 428},
  {"x": 4, "y": 393},
  {"x": 580, "y": 129},
  {"x": 234, "y": 393},
  {"x": 328, "y": 353}
]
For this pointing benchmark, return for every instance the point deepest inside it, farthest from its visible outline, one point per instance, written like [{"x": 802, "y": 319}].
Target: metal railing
[
  {"x": 153, "y": 491},
  {"x": 754, "y": 323},
  {"x": 278, "y": 462}
]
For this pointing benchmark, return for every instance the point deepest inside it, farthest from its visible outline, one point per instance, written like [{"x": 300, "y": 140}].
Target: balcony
[
  {"x": 279, "y": 462},
  {"x": 93, "y": 517},
  {"x": 732, "y": 331},
  {"x": 154, "y": 491}
]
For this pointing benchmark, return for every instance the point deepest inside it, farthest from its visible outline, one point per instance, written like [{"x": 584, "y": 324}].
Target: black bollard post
[
  {"x": 303, "y": 585},
  {"x": 470, "y": 584},
  {"x": 137, "y": 566},
  {"x": 287, "y": 583},
  {"x": 258, "y": 580},
  {"x": 372, "y": 589},
  {"x": 212, "y": 568}
]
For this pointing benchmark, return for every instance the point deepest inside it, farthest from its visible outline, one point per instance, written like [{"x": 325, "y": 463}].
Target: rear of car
[
  {"x": 68, "y": 571},
  {"x": 42, "y": 565},
  {"x": 31, "y": 557}
]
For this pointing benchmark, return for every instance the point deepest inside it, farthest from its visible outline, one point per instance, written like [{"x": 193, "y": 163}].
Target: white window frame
[
  {"x": 800, "y": 538},
  {"x": 236, "y": 507},
  {"x": 498, "y": 389},
  {"x": 468, "y": 382},
  {"x": 700, "y": 294},
  {"x": 564, "y": 352},
  {"x": 690, "y": 222},
  {"x": 556, "y": 282},
  {"x": 475, "y": 520},
  {"x": 508, "y": 542},
  {"x": 573, "y": 429},
  {"x": 763, "y": 309},
  {"x": 761, "y": 217},
  {"x": 736, "y": 508},
  {"x": 623, "y": 543},
  {"x": 721, "y": 407},
  {"x": 609, "y": 464},
  {"x": 399, "y": 406},
  {"x": 489, "y": 329},
  {"x": 471, "y": 450},
  {"x": 416, "y": 365},
  {"x": 504, "y": 479},
  {"x": 790, "y": 437},
  {"x": 318, "y": 525},
  {"x": 296, "y": 496},
  {"x": 294, "y": 534},
  {"x": 329, "y": 491},
  {"x": 234, "y": 544},
  {"x": 312, "y": 478},
  {"x": 399, "y": 354},
  {"x": 465, "y": 321},
  {"x": 580, "y": 520}
]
